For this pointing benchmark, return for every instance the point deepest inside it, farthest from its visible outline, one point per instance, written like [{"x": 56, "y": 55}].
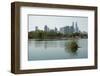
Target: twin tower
[
  {"x": 70, "y": 29},
  {"x": 75, "y": 26}
]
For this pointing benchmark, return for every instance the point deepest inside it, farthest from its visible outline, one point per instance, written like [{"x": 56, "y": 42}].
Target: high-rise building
[
  {"x": 76, "y": 28},
  {"x": 73, "y": 24},
  {"x": 46, "y": 28},
  {"x": 66, "y": 29},
  {"x": 36, "y": 28},
  {"x": 70, "y": 29},
  {"x": 56, "y": 29},
  {"x": 62, "y": 30}
]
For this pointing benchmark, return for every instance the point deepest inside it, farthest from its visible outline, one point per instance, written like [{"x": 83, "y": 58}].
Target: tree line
[{"x": 40, "y": 34}]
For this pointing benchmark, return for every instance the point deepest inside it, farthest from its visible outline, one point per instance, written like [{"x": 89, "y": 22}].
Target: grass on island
[{"x": 72, "y": 46}]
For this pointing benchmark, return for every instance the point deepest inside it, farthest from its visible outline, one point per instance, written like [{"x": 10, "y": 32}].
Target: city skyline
[
  {"x": 66, "y": 29},
  {"x": 56, "y": 22}
]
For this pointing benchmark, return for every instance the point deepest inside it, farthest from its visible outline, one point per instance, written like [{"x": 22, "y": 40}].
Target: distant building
[
  {"x": 52, "y": 30},
  {"x": 36, "y": 28},
  {"x": 46, "y": 28},
  {"x": 76, "y": 28},
  {"x": 56, "y": 29},
  {"x": 69, "y": 29},
  {"x": 66, "y": 29},
  {"x": 62, "y": 30},
  {"x": 72, "y": 27}
]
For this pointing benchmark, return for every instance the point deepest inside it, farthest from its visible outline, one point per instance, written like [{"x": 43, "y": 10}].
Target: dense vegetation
[
  {"x": 40, "y": 34},
  {"x": 72, "y": 46}
]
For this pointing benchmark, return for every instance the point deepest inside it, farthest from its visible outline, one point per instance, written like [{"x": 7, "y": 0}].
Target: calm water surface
[{"x": 51, "y": 50}]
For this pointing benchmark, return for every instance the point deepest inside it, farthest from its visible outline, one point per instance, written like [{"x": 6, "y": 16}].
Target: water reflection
[
  {"x": 71, "y": 51},
  {"x": 71, "y": 47},
  {"x": 46, "y": 44},
  {"x": 62, "y": 44},
  {"x": 57, "y": 49}
]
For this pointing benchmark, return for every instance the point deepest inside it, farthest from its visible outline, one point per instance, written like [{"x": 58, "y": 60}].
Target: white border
[{"x": 25, "y": 64}]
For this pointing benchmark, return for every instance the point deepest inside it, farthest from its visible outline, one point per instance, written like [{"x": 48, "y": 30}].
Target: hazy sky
[{"x": 56, "y": 21}]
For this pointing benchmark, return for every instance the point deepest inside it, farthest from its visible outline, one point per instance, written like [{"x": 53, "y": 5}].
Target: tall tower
[
  {"x": 76, "y": 27},
  {"x": 73, "y": 29},
  {"x": 36, "y": 28},
  {"x": 72, "y": 23},
  {"x": 56, "y": 29},
  {"x": 46, "y": 28}
]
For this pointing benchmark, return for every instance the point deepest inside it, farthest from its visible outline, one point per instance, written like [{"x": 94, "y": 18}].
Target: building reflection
[{"x": 56, "y": 44}]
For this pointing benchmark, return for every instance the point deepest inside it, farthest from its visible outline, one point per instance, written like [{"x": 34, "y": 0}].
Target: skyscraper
[
  {"x": 66, "y": 29},
  {"x": 36, "y": 28},
  {"x": 62, "y": 30},
  {"x": 76, "y": 27},
  {"x": 56, "y": 29},
  {"x": 73, "y": 24},
  {"x": 70, "y": 29},
  {"x": 46, "y": 28}
]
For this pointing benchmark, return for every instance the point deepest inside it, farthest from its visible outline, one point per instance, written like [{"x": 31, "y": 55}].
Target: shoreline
[{"x": 57, "y": 39}]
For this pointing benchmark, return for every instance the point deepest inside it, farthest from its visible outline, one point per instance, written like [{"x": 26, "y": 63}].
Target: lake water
[{"x": 51, "y": 50}]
